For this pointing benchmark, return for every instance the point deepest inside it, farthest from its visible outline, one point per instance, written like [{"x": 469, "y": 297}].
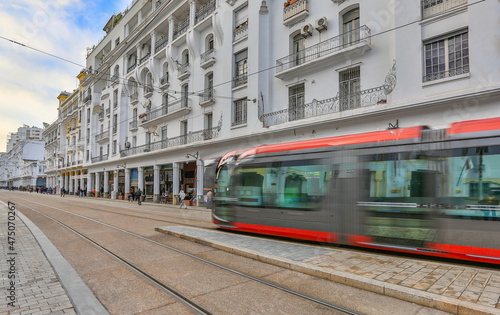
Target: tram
[{"x": 412, "y": 190}]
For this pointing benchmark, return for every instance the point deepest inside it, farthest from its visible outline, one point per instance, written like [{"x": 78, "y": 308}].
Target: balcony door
[
  {"x": 349, "y": 89},
  {"x": 351, "y": 27},
  {"x": 296, "y": 108},
  {"x": 299, "y": 46}
]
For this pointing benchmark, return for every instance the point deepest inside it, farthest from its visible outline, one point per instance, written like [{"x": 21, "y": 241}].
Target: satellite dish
[
  {"x": 147, "y": 104},
  {"x": 97, "y": 109},
  {"x": 153, "y": 129}
]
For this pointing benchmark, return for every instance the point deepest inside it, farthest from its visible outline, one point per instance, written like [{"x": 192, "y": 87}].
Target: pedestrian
[
  {"x": 182, "y": 195},
  {"x": 209, "y": 199},
  {"x": 138, "y": 195}
]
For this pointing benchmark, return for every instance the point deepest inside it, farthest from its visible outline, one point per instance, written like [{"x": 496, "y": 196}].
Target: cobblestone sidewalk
[{"x": 36, "y": 288}]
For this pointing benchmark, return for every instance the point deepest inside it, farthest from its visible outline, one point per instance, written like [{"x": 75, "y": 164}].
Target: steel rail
[
  {"x": 270, "y": 284},
  {"x": 197, "y": 309}
]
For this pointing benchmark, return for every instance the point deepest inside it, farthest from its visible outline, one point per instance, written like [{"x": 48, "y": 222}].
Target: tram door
[{"x": 347, "y": 188}]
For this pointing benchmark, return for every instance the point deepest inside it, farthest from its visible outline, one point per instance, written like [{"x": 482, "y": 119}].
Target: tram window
[{"x": 294, "y": 185}]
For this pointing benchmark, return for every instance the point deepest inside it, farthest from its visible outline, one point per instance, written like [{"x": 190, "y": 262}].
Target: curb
[{"x": 435, "y": 301}]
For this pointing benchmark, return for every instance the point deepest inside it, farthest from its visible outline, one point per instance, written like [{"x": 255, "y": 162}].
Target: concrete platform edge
[
  {"x": 83, "y": 299},
  {"x": 441, "y": 303}
]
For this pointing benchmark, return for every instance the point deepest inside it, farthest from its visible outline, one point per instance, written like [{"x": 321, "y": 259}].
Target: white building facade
[{"x": 174, "y": 83}]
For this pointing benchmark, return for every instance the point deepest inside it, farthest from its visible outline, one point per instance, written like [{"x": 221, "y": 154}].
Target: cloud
[{"x": 30, "y": 80}]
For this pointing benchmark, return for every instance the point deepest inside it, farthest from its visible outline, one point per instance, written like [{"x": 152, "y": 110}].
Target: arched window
[
  {"x": 299, "y": 45},
  {"x": 185, "y": 57},
  {"x": 209, "y": 44}
]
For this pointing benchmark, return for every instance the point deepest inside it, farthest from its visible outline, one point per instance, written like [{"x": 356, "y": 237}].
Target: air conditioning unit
[
  {"x": 127, "y": 145},
  {"x": 321, "y": 24},
  {"x": 306, "y": 30}
]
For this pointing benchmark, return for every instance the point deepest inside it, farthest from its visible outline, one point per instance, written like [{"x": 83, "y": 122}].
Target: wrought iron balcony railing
[
  {"x": 242, "y": 79},
  {"x": 132, "y": 67},
  {"x": 100, "y": 158},
  {"x": 102, "y": 136},
  {"x": 143, "y": 59},
  {"x": 207, "y": 55},
  {"x": 204, "y": 11},
  {"x": 183, "y": 102},
  {"x": 173, "y": 142},
  {"x": 370, "y": 97},
  {"x": 161, "y": 43},
  {"x": 324, "y": 48},
  {"x": 181, "y": 28},
  {"x": 133, "y": 124}
]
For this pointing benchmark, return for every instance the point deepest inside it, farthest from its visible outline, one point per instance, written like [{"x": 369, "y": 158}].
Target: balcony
[
  {"x": 145, "y": 58},
  {"x": 240, "y": 32},
  {"x": 115, "y": 79},
  {"x": 240, "y": 80},
  {"x": 204, "y": 11},
  {"x": 133, "y": 125},
  {"x": 132, "y": 67},
  {"x": 101, "y": 116},
  {"x": 207, "y": 59},
  {"x": 295, "y": 11},
  {"x": 331, "y": 51},
  {"x": 100, "y": 158},
  {"x": 191, "y": 137},
  {"x": 434, "y": 7},
  {"x": 366, "y": 98},
  {"x": 108, "y": 112},
  {"x": 181, "y": 28},
  {"x": 134, "y": 98},
  {"x": 87, "y": 98},
  {"x": 161, "y": 43},
  {"x": 166, "y": 112},
  {"x": 164, "y": 84},
  {"x": 148, "y": 90},
  {"x": 207, "y": 97},
  {"x": 102, "y": 137},
  {"x": 115, "y": 129},
  {"x": 183, "y": 71}
]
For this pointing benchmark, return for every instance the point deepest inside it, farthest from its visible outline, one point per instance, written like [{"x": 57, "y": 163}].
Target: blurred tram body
[{"x": 414, "y": 190}]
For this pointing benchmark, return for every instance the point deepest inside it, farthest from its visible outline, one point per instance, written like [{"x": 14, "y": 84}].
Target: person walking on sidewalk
[
  {"x": 182, "y": 195},
  {"x": 138, "y": 195}
]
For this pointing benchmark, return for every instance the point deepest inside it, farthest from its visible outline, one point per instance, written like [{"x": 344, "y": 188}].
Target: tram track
[{"x": 157, "y": 282}]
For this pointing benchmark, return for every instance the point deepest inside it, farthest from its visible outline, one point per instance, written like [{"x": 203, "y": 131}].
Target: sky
[{"x": 30, "y": 81}]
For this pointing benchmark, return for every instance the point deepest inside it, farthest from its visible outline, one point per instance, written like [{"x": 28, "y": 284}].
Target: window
[
  {"x": 350, "y": 27},
  {"x": 349, "y": 89},
  {"x": 299, "y": 47},
  {"x": 296, "y": 102},
  {"x": 184, "y": 132},
  {"x": 240, "y": 112},
  {"x": 210, "y": 44},
  {"x": 115, "y": 123},
  {"x": 164, "y": 133},
  {"x": 208, "y": 133},
  {"x": 88, "y": 115},
  {"x": 115, "y": 98},
  {"x": 433, "y": 7},
  {"x": 446, "y": 57},
  {"x": 114, "y": 146},
  {"x": 241, "y": 68}
]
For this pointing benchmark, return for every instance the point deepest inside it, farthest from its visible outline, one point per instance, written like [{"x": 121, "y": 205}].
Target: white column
[
  {"x": 140, "y": 178},
  {"x": 89, "y": 183},
  {"x": 199, "y": 182},
  {"x": 176, "y": 174},
  {"x": 81, "y": 180},
  {"x": 153, "y": 41},
  {"x": 106, "y": 182},
  {"x": 127, "y": 182},
  {"x": 115, "y": 185},
  {"x": 171, "y": 26},
  {"x": 156, "y": 187},
  {"x": 70, "y": 183},
  {"x": 192, "y": 12},
  {"x": 61, "y": 182},
  {"x": 97, "y": 183}
]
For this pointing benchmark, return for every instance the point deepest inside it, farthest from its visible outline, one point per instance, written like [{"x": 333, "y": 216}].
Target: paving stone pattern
[
  {"x": 467, "y": 284},
  {"x": 37, "y": 287}
]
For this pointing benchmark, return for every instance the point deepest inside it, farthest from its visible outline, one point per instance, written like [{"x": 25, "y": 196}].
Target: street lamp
[{"x": 195, "y": 156}]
